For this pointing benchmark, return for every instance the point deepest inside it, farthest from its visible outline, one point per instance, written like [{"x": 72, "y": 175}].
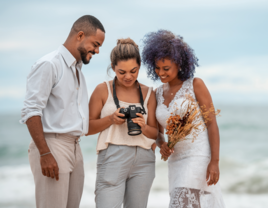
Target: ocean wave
[
  {"x": 241, "y": 126},
  {"x": 240, "y": 178},
  {"x": 236, "y": 178}
]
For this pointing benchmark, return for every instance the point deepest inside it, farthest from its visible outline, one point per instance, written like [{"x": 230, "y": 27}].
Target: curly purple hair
[{"x": 164, "y": 44}]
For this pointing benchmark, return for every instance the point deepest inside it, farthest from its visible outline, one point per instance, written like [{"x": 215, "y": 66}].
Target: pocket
[
  {"x": 152, "y": 153},
  {"x": 113, "y": 164},
  {"x": 101, "y": 157},
  {"x": 32, "y": 147}
]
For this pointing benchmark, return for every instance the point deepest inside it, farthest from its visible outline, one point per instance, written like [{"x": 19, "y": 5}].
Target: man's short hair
[{"x": 88, "y": 24}]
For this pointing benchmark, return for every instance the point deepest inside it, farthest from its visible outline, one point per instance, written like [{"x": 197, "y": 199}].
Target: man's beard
[{"x": 83, "y": 54}]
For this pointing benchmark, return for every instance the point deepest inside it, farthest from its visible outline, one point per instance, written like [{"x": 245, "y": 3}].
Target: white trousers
[{"x": 67, "y": 191}]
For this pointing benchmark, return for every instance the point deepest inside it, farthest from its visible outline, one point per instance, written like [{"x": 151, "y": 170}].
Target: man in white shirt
[{"x": 56, "y": 113}]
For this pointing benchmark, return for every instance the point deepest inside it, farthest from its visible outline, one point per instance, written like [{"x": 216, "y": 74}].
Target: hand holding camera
[
  {"x": 117, "y": 117},
  {"x": 140, "y": 121},
  {"x": 131, "y": 113}
]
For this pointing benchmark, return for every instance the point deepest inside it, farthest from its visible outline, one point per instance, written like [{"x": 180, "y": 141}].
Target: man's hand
[
  {"x": 48, "y": 163},
  {"x": 49, "y": 166}
]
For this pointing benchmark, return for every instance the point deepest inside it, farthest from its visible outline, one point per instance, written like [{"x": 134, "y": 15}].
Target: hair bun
[{"x": 127, "y": 41}]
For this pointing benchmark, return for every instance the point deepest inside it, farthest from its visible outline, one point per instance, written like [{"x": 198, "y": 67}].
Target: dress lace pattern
[
  {"x": 186, "y": 88},
  {"x": 183, "y": 197}
]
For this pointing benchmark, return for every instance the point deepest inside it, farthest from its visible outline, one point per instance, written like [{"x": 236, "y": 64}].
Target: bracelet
[{"x": 45, "y": 154}]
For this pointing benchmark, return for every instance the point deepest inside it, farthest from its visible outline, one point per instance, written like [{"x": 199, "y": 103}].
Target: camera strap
[{"x": 116, "y": 101}]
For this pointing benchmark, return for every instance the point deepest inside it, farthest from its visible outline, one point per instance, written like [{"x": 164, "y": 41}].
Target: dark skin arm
[
  {"x": 96, "y": 103},
  {"x": 162, "y": 144},
  {"x": 48, "y": 163},
  {"x": 204, "y": 98}
]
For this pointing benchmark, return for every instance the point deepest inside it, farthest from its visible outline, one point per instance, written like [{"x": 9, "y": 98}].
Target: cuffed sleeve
[{"x": 40, "y": 81}]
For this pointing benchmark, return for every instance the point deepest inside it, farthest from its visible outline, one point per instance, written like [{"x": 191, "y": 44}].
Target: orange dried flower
[{"x": 193, "y": 121}]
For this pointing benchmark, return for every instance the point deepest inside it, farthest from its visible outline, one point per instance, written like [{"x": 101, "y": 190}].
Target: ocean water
[{"x": 243, "y": 162}]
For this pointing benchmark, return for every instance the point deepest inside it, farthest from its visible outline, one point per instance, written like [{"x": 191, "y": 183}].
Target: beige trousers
[{"x": 67, "y": 191}]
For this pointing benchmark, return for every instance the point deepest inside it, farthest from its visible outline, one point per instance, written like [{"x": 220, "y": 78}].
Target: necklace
[{"x": 171, "y": 93}]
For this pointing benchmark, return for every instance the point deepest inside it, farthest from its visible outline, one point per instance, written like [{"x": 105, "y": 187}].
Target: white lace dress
[{"x": 187, "y": 166}]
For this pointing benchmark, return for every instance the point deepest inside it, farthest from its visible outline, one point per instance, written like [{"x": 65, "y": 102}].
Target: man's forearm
[{"x": 35, "y": 128}]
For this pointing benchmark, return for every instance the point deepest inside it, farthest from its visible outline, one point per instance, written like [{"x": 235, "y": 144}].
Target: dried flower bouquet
[{"x": 189, "y": 119}]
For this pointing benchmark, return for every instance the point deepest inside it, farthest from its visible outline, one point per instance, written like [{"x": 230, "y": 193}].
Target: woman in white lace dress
[{"x": 193, "y": 166}]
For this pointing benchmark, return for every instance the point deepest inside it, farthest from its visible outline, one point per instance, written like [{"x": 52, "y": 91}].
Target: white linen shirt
[{"x": 54, "y": 94}]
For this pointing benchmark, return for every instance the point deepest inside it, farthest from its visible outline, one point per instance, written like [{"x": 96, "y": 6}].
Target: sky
[{"x": 229, "y": 38}]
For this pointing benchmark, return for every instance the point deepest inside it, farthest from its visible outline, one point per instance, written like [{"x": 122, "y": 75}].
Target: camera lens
[
  {"x": 133, "y": 128},
  {"x": 134, "y": 132}
]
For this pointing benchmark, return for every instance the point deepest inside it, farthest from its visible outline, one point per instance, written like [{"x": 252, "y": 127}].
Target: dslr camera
[{"x": 130, "y": 112}]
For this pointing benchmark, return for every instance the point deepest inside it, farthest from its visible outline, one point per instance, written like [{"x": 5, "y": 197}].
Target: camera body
[{"x": 130, "y": 113}]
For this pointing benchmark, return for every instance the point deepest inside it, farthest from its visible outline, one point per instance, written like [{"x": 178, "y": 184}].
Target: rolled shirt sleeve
[{"x": 40, "y": 81}]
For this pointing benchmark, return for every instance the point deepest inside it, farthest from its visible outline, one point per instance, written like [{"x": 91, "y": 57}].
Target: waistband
[{"x": 62, "y": 136}]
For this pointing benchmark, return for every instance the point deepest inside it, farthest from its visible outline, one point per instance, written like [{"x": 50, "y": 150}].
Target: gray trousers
[{"x": 124, "y": 175}]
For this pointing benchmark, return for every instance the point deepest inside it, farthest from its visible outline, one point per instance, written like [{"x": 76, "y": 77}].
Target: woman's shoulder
[
  {"x": 145, "y": 90},
  {"x": 143, "y": 86},
  {"x": 101, "y": 90},
  {"x": 100, "y": 87},
  {"x": 197, "y": 82},
  {"x": 199, "y": 87}
]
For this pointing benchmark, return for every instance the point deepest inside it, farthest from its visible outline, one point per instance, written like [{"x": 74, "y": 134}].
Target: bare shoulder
[
  {"x": 200, "y": 89},
  {"x": 153, "y": 95},
  {"x": 102, "y": 87},
  {"x": 198, "y": 82},
  {"x": 100, "y": 92},
  {"x": 144, "y": 89}
]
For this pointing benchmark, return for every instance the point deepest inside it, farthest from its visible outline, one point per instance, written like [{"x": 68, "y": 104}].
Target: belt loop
[{"x": 77, "y": 140}]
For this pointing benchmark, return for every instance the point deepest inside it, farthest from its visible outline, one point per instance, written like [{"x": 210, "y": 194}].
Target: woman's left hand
[
  {"x": 139, "y": 120},
  {"x": 213, "y": 173},
  {"x": 153, "y": 146}
]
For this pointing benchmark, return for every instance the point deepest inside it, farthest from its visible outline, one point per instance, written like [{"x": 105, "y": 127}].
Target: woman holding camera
[{"x": 126, "y": 162}]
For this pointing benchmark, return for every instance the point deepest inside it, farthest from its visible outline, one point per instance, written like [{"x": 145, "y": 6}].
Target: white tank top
[{"x": 118, "y": 134}]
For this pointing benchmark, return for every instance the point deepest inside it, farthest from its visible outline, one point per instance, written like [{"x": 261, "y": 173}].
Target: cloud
[
  {"x": 12, "y": 92},
  {"x": 197, "y": 4},
  {"x": 246, "y": 75}
]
